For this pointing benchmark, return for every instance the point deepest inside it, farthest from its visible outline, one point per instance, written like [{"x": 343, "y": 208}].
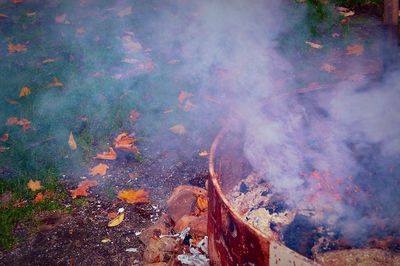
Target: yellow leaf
[
  {"x": 71, "y": 142},
  {"x": 117, "y": 220},
  {"x": 202, "y": 202},
  {"x": 328, "y": 68},
  {"x": 356, "y": 49},
  {"x": 178, "y": 129},
  {"x": 105, "y": 240},
  {"x": 314, "y": 45},
  {"x": 25, "y": 91},
  {"x": 55, "y": 83},
  {"x": 100, "y": 169},
  {"x": 203, "y": 153},
  {"x": 125, "y": 12},
  {"x": 132, "y": 196},
  {"x": 34, "y": 185}
]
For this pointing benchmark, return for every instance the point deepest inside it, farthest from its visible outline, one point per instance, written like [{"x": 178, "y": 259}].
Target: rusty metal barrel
[{"x": 232, "y": 241}]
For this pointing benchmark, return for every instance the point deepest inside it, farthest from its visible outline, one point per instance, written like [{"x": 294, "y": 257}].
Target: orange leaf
[
  {"x": 188, "y": 106},
  {"x": 61, "y": 18},
  {"x": 34, "y": 185},
  {"x": 4, "y": 137},
  {"x": 111, "y": 155},
  {"x": 183, "y": 95},
  {"x": 3, "y": 15},
  {"x": 16, "y": 48},
  {"x": 132, "y": 196},
  {"x": 356, "y": 49},
  {"x": 125, "y": 143},
  {"x": 202, "y": 202},
  {"x": 328, "y": 68},
  {"x": 55, "y": 83},
  {"x": 111, "y": 215},
  {"x": 39, "y": 198},
  {"x": 12, "y": 120},
  {"x": 17, "y": 1},
  {"x": 134, "y": 116},
  {"x": 25, "y": 91},
  {"x": 100, "y": 169},
  {"x": 81, "y": 30},
  {"x": 48, "y": 60},
  {"x": 178, "y": 129},
  {"x": 4, "y": 149},
  {"x": 71, "y": 142},
  {"x": 81, "y": 190}
]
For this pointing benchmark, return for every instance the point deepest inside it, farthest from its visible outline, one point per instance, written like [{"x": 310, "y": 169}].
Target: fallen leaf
[
  {"x": 132, "y": 196},
  {"x": 81, "y": 190},
  {"x": 25, "y": 123},
  {"x": 125, "y": 143},
  {"x": 328, "y": 68},
  {"x": 356, "y": 49},
  {"x": 17, "y": 1},
  {"x": 188, "y": 106},
  {"x": 34, "y": 185},
  {"x": 203, "y": 153},
  {"x": 71, "y": 142},
  {"x": 335, "y": 35},
  {"x": 111, "y": 215},
  {"x": 12, "y": 120},
  {"x": 125, "y": 12},
  {"x": 202, "y": 202},
  {"x": 100, "y": 169},
  {"x": 81, "y": 30},
  {"x": 4, "y": 137},
  {"x": 25, "y": 91},
  {"x": 178, "y": 129},
  {"x": 130, "y": 61},
  {"x": 130, "y": 45},
  {"x": 30, "y": 14},
  {"x": 134, "y": 116},
  {"x": 39, "y": 198},
  {"x": 133, "y": 175},
  {"x": 173, "y": 62},
  {"x": 314, "y": 45},
  {"x": 16, "y": 48},
  {"x": 55, "y": 83},
  {"x": 4, "y": 149},
  {"x": 3, "y": 15},
  {"x": 183, "y": 95},
  {"x": 105, "y": 240},
  {"x": 168, "y": 110},
  {"x": 110, "y": 155},
  {"x": 345, "y": 11},
  {"x": 61, "y": 18},
  {"x": 117, "y": 220},
  {"x": 48, "y": 60}
]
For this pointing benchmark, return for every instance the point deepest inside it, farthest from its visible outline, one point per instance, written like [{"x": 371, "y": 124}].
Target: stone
[
  {"x": 161, "y": 227},
  {"x": 197, "y": 224},
  {"x": 159, "y": 250}
]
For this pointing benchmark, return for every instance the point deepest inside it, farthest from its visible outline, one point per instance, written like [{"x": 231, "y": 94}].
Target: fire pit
[{"x": 235, "y": 241}]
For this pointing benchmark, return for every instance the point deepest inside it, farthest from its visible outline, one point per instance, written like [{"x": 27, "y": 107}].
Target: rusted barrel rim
[{"x": 215, "y": 180}]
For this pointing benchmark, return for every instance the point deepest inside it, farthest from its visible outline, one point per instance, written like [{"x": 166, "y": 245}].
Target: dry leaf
[
  {"x": 81, "y": 30},
  {"x": 178, "y": 129},
  {"x": 345, "y": 11},
  {"x": 130, "y": 45},
  {"x": 16, "y": 48},
  {"x": 183, "y": 95},
  {"x": 130, "y": 61},
  {"x": 4, "y": 137},
  {"x": 111, "y": 215},
  {"x": 81, "y": 190},
  {"x": 125, "y": 143},
  {"x": 71, "y": 142},
  {"x": 4, "y": 149},
  {"x": 356, "y": 49},
  {"x": 125, "y": 12},
  {"x": 168, "y": 110},
  {"x": 314, "y": 45},
  {"x": 3, "y": 15},
  {"x": 328, "y": 68},
  {"x": 25, "y": 91},
  {"x": 117, "y": 220},
  {"x": 173, "y": 61},
  {"x": 134, "y": 116},
  {"x": 110, "y": 155},
  {"x": 188, "y": 106},
  {"x": 202, "y": 202},
  {"x": 132, "y": 196},
  {"x": 133, "y": 175},
  {"x": 48, "y": 60},
  {"x": 12, "y": 120},
  {"x": 11, "y": 101},
  {"x": 17, "y": 1},
  {"x": 61, "y": 18},
  {"x": 203, "y": 153},
  {"x": 100, "y": 169},
  {"x": 30, "y": 14},
  {"x": 105, "y": 240},
  {"x": 39, "y": 198},
  {"x": 55, "y": 83},
  {"x": 25, "y": 123},
  {"x": 34, "y": 185}
]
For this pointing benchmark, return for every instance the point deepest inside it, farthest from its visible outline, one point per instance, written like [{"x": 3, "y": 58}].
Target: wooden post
[{"x": 391, "y": 12}]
